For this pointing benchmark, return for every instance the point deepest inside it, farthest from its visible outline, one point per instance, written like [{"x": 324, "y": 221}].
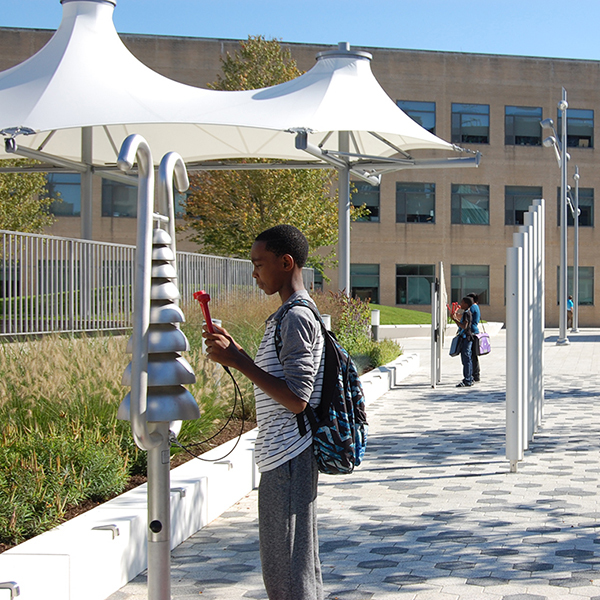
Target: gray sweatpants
[{"x": 287, "y": 524}]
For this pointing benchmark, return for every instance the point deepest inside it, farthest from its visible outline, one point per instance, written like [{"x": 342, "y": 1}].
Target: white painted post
[
  {"x": 514, "y": 363},
  {"x": 442, "y": 320},
  {"x": 375, "y": 322},
  {"x": 521, "y": 242},
  {"x": 541, "y": 205},
  {"x": 434, "y": 330},
  {"x": 529, "y": 374}
]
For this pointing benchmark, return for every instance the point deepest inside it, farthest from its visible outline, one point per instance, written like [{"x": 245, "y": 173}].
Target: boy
[
  {"x": 466, "y": 349},
  {"x": 476, "y": 312},
  {"x": 283, "y": 385}
]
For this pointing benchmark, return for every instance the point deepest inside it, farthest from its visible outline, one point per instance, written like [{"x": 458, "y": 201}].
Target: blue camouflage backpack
[{"x": 339, "y": 423}]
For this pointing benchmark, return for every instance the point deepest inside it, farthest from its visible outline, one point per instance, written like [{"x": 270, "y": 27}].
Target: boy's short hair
[
  {"x": 285, "y": 239},
  {"x": 474, "y": 296},
  {"x": 468, "y": 301}
]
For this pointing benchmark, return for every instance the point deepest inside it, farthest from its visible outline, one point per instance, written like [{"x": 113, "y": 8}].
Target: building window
[
  {"x": 586, "y": 285},
  {"x": 470, "y": 204},
  {"x": 364, "y": 281},
  {"x": 517, "y": 200},
  {"x": 466, "y": 279},
  {"x": 415, "y": 202},
  {"x": 118, "y": 199},
  {"x": 364, "y": 193},
  {"x": 413, "y": 283},
  {"x": 470, "y": 123},
  {"x": 421, "y": 112},
  {"x": 586, "y": 207},
  {"x": 68, "y": 187},
  {"x": 580, "y": 127},
  {"x": 522, "y": 126}
]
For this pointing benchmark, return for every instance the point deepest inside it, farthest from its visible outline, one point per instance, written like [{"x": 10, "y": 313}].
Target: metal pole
[
  {"x": 87, "y": 181},
  {"x": 435, "y": 286},
  {"x": 514, "y": 365},
  {"x": 159, "y": 509},
  {"x": 576, "y": 256},
  {"x": 442, "y": 320},
  {"x": 520, "y": 240},
  {"x": 344, "y": 219},
  {"x": 562, "y": 302},
  {"x": 529, "y": 319},
  {"x": 541, "y": 208}
]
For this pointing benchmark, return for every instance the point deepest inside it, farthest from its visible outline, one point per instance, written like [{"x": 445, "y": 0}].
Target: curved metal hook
[
  {"x": 171, "y": 168},
  {"x": 135, "y": 148}
]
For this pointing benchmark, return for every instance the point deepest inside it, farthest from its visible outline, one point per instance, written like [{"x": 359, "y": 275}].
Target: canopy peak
[
  {"x": 343, "y": 50},
  {"x": 113, "y": 2}
]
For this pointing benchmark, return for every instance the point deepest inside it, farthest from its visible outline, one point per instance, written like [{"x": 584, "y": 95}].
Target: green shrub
[
  {"x": 41, "y": 476},
  {"x": 351, "y": 323}
]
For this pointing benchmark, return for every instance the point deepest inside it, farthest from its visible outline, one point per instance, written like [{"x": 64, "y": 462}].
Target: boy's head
[
  {"x": 285, "y": 239},
  {"x": 278, "y": 255},
  {"x": 466, "y": 303}
]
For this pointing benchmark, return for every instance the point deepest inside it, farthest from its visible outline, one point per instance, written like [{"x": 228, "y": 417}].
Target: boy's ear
[{"x": 288, "y": 262}]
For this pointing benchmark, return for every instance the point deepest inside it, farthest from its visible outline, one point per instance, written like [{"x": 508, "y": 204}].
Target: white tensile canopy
[{"x": 74, "y": 102}]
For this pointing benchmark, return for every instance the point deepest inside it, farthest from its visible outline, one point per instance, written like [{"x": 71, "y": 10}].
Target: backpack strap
[{"x": 308, "y": 411}]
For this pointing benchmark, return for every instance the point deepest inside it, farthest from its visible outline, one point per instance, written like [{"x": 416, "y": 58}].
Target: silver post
[
  {"x": 575, "y": 328},
  {"x": 344, "y": 219},
  {"x": 159, "y": 525},
  {"x": 87, "y": 184},
  {"x": 562, "y": 302},
  {"x": 514, "y": 348}
]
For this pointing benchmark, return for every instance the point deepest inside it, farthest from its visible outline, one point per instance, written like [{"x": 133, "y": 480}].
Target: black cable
[{"x": 237, "y": 391}]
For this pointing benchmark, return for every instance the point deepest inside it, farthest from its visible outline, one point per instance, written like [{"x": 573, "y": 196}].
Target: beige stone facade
[{"x": 443, "y": 78}]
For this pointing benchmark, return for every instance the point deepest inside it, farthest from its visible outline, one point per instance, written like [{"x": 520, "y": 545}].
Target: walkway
[{"x": 433, "y": 513}]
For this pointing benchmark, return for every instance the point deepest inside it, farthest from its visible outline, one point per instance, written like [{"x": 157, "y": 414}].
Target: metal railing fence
[{"x": 53, "y": 284}]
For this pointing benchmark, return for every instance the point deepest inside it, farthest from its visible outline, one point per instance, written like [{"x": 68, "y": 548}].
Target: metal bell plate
[
  {"x": 162, "y": 253},
  {"x": 165, "y": 313},
  {"x": 165, "y": 290},
  {"x": 164, "y": 369},
  {"x": 163, "y": 338},
  {"x": 160, "y": 236},
  {"x": 165, "y": 270},
  {"x": 164, "y": 404}
]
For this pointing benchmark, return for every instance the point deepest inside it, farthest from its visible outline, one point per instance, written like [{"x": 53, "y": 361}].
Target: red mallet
[{"x": 204, "y": 298}]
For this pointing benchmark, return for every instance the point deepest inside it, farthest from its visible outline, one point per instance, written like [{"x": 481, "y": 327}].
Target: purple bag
[{"x": 483, "y": 344}]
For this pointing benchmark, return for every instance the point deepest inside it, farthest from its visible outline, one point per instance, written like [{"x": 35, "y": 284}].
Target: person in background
[
  {"x": 475, "y": 328},
  {"x": 466, "y": 350},
  {"x": 570, "y": 307}
]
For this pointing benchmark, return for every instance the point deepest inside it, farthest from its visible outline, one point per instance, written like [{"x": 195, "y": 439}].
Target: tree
[
  {"x": 228, "y": 209},
  {"x": 24, "y": 203}
]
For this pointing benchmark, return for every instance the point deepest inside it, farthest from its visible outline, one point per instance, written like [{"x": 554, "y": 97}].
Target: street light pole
[
  {"x": 576, "y": 211},
  {"x": 560, "y": 149},
  {"x": 562, "y": 322}
]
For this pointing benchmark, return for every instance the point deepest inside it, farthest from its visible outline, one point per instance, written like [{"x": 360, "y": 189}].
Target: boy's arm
[{"x": 222, "y": 348}]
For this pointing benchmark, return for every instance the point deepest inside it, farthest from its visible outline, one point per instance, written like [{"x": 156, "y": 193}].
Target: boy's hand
[{"x": 222, "y": 348}]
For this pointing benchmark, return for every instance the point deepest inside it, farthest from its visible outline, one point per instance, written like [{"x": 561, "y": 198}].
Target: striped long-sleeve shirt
[{"x": 301, "y": 363}]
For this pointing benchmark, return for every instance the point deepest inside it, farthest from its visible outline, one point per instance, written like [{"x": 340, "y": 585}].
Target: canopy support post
[
  {"x": 344, "y": 219},
  {"x": 87, "y": 184}
]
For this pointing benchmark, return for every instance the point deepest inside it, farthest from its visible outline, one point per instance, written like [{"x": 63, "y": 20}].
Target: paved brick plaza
[{"x": 433, "y": 513}]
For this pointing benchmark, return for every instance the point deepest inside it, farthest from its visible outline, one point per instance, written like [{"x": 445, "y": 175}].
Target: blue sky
[{"x": 525, "y": 27}]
